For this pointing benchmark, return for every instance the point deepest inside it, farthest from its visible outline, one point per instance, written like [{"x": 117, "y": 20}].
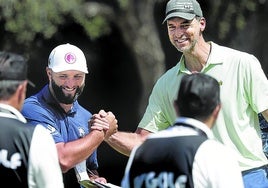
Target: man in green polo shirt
[{"x": 244, "y": 92}]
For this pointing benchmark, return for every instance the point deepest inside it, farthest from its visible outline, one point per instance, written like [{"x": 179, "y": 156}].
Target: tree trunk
[{"x": 140, "y": 34}]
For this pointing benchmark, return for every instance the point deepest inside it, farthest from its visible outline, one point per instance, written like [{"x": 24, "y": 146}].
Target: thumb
[{"x": 102, "y": 113}]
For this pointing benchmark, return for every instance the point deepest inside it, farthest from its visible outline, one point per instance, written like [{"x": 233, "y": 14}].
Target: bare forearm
[
  {"x": 124, "y": 142},
  {"x": 71, "y": 153}
]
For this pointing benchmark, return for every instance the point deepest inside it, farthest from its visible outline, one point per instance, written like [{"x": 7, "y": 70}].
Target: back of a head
[
  {"x": 12, "y": 66},
  {"x": 198, "y": 96},
  {"x": 13, "y": 70}
]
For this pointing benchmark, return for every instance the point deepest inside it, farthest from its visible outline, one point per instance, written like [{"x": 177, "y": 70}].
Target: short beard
[
  {"x": 188, "y": 49},
  {"x": 61, "y": 97}
]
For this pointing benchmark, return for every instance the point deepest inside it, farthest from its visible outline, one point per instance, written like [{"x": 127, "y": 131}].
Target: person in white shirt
[{"x": 28, "y": 153}]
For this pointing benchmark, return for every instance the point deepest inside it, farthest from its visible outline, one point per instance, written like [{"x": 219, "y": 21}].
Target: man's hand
[
  {"x": 99, "y": 122},
  {"x": 104, "y": 121},
  {"x": 113, "y": 126}
]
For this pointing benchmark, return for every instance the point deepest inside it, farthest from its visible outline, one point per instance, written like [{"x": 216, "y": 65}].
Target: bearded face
[{"x": 65, "y": 97}]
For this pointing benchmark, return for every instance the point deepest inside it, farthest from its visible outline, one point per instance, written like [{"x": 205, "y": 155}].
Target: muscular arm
[
  {"x": 72, "y": 153},
  {"x": 124, "y": 142}
]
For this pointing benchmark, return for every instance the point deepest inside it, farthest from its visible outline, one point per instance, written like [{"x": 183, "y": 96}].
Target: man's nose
[{"x": 178, "y": 31}]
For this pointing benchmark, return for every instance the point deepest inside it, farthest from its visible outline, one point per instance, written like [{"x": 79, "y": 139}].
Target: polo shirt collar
[
  {"x": 195, "y": 123},
  {"x": 11, "y": 112},
  {"x": 214, "y": 58}
]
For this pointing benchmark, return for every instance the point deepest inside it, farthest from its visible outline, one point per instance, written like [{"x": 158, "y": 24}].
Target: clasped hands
[{"x": 104, "y": 121}]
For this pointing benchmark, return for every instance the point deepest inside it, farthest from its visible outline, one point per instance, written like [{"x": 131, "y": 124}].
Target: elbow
[
  {"x": 65, "y": 166},
  {"x": 64, "y": 169},
  {"x": 65, "y": 160}
]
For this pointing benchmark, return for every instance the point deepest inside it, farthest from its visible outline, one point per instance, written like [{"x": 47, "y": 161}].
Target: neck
[
  {"x": 197, "y": 59},
  {"x": 12, "y": 101},
  {"x": 66, "y": 107}
]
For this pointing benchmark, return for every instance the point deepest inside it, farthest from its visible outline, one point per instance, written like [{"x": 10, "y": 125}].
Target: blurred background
[{"x": 126, "y": 46}]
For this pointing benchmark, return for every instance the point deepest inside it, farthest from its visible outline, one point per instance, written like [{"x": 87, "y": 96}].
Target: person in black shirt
[
  {"x": 28, "y": 155},
  {"x": 186, "y": 154}
]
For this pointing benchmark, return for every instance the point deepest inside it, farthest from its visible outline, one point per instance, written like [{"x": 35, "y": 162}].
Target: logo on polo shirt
[{"x": 82, "y": 132}]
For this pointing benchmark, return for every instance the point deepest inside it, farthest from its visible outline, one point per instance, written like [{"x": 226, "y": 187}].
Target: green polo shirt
[{"x": 244, "y": 93}]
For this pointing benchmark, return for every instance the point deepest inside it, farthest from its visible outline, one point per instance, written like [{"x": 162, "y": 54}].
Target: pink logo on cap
[{"x": 70, "y": 58}]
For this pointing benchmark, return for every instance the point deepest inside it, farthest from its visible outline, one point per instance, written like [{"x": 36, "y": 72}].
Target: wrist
[
  {"x": 99, "y": 133},
  {"x": 109, "y": 138}
]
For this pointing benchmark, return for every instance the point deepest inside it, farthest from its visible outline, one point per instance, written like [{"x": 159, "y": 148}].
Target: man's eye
[
  {"x": 185, "y": 26},
  {"x": 62, "y": 77},
  {"x": 79, "y": 77},
  {"x": 171, "y": 28}
]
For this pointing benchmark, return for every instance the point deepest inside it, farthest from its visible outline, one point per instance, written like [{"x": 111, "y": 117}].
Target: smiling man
[
  {"x": 56, "y": 108},
  {"x": 244, "y": 92}
]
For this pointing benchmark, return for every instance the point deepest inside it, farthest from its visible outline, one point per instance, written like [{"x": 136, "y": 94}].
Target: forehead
[
  {"x": 177, "y": 20},
  {"x": 69, "y": 72}
]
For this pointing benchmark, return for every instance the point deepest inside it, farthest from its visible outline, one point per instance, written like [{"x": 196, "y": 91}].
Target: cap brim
[
  {"x": 67, "y": 68},
  {"x": 30, "y": 83},
  {"x": 186, "y": 16}
]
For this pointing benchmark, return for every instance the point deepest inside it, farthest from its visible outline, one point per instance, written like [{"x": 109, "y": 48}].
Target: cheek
[
  {"x": 76, "y": 83},
  {"x": 81, "y": 83},
  {"x": 171, "y": 35},
  {"x": 56, "y": 81},
  {"x": 170, "y": 32},
  {"x": 191, "y": 32}
]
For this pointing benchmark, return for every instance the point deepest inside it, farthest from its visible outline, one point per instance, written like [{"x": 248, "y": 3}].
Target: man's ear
[
  {"x": 49, "y": 73},
  {"x": 21, "y": 93},
  {"x": 216, "y": 111},
  {"x": 202, "y": 23}
]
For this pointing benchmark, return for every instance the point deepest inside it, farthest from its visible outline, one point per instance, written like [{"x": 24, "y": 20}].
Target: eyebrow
[{"x": 184, "y": 22}]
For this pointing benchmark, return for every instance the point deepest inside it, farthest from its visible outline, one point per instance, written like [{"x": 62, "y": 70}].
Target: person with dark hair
[
  {"x": 244, "y": 92},
  {"x": 28, "y": 155},
  {"x": 186, "y": 154},
  {"x": 56, "y": 107}
]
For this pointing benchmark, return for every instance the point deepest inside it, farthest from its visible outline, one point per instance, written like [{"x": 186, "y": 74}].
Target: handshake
[{"x": 104, "y": 121}]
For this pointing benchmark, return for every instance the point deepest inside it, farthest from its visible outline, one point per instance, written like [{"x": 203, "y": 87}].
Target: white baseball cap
[{"x": 67, "y": 57}]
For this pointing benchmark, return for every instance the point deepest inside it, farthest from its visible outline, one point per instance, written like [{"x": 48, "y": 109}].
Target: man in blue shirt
[{"x": 56, "y": 108}]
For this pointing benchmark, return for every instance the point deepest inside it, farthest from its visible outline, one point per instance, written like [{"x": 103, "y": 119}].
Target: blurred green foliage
[
  {"x": 27, "y": 18},
  {"x": 230, "y": 16}
]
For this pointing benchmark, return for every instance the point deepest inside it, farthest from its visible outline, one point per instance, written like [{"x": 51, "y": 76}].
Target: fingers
[
  {"x": 102, "y": 113},
  {"x": 101, "y": 180},
  {"x": 99, "y": 128},
  {"x": 113, "y": 126},
  {"x": 98, "y": 122},
  {"x": 104, "y": 121}
]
